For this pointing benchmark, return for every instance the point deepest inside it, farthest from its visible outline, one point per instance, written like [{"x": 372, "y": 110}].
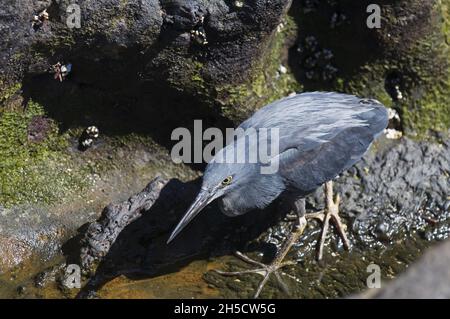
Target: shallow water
[{"x": 341, "y": 274}]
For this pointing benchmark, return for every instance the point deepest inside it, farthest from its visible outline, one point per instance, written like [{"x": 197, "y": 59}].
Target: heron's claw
[
  {"x": 331, "y": 212},
  {"x": 264, "y": 270}
]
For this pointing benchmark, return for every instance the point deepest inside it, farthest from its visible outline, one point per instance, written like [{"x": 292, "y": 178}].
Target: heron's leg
[
  {"x": 331, "y": 213},
  {"x": 273, "y": 268}
]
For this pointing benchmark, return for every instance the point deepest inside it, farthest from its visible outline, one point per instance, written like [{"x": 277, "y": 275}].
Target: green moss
[
  {"x": 425, "y": 71},
  {"x": 8, "y": 92},
  {"x": 420, "y": 59},
  {"x": 432, "y": 112},
  {"x": 369, "y": 82},
  {"x": 190, "y": 79},
  {"x": 426, "y": 101},
  {"x": 445, "y": 9},
  {"x": 32, "y": 172},
  {"x": 196, "y": 74}
]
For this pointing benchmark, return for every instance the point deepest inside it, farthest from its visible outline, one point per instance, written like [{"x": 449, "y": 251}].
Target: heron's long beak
[{"x": 202, "y": 199}]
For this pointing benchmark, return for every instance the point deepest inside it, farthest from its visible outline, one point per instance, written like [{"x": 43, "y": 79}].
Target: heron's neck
[{"x": 256, "y": 194}]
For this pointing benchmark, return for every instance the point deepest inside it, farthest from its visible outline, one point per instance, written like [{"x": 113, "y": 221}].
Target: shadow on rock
[{"x": 130, "y": 237}]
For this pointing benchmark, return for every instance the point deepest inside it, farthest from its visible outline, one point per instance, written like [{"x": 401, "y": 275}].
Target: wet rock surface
[
  {"x": 29, "y": 231},
  {"x": 401, "y": 188},
  {"x": 427, "y": 278},
  {"x": 32, "y": 230}
]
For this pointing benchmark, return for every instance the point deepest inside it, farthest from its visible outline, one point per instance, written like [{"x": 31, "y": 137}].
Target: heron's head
[{"x": 218, "y": 180}]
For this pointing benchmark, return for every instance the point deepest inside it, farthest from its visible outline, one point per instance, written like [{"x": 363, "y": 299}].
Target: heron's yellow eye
[{"x": 227, "y": 181}]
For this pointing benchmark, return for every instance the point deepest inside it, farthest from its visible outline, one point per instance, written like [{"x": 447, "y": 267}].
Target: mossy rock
[
  {"x": 405, "y": 64},
  {"x": 34, "y": 165}
]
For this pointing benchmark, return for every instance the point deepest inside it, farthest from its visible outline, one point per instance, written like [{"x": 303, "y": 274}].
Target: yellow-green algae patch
[{"x": 34, "y": 172}]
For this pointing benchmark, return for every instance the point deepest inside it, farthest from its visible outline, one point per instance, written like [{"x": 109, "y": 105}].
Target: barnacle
[
  {"x": 199, "y": 36},
  {"x": 316, "y": 62}
]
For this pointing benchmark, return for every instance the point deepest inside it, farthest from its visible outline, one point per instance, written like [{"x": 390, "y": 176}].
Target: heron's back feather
[{"x": 321, "y": 134}]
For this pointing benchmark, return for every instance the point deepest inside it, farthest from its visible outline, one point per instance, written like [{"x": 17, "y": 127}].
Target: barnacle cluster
[
  {"x": 88, "y": 137},
  {"x": 61, "y": 71},
  {"x": 238, "y": 4},
  {"x": 39, "y": 20},
  {"x": 198, "y": 35},
  {"x": 394, "y": 86},
  {"x": 337, "y": 19},
  {"x": 316, "y": 61}
]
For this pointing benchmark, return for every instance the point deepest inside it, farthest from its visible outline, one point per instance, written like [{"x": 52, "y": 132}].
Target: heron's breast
[{"x": 232, "y": 206}]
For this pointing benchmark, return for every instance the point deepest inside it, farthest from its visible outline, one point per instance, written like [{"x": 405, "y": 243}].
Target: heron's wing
[
  {"x": 303, "y": 107},
  {"x": 309, "y": 119},
  {"x": 320, "y": 134},
  {"x": 308, "y": 170}
]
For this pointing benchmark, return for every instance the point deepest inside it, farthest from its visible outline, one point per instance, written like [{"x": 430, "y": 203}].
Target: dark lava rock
[
  {"x": 403, "y": 187},
  {"x": 154, "y": 37}
]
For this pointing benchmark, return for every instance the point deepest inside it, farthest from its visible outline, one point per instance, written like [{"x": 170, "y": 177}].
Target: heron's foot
[
  {"x": 261, "y": 269},
  {"x": 273, "y": 268},
  {"x": 331, "y": 212}
]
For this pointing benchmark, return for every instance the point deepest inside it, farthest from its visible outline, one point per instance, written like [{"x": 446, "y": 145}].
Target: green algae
[
  {"x": 416, "y": 52},
  {"x": 424, "y": 67},
  {"x": 8, "y": 92},
  {"x": 34, "y": 172}
]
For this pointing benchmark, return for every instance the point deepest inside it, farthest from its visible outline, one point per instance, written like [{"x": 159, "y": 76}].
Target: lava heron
[{"x": 319, "y": 136}]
